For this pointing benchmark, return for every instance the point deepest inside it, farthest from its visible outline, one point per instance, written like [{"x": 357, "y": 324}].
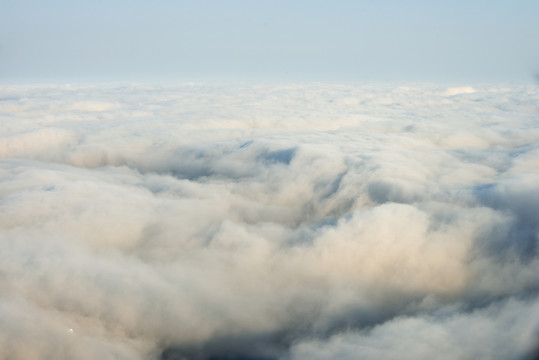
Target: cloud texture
[{"x": 292, "y": 222}]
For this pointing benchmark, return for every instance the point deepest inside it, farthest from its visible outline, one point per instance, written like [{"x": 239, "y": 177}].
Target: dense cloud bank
[{"x": 294, "y": 222}]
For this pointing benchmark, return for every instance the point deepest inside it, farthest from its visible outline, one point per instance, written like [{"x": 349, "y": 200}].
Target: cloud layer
[{"x": 295, "y": 222}]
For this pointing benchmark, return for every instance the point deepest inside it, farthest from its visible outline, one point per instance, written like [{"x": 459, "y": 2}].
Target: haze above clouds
[
  {"x": 302, "y": 40},
  {"x": 297, "y": 222}
]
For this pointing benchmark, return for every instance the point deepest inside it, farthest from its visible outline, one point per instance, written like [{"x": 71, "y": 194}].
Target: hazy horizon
[{"x": 361, "y": 41}]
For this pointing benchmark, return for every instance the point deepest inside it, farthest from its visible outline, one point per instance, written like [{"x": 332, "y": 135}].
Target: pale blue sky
[{"x": 450, "y": 41}]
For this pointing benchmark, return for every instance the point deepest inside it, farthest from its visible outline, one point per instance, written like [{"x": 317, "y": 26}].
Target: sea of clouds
[{"x": 203, "y": 221}]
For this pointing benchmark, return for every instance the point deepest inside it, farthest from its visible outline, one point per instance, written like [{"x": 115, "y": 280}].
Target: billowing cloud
[
  {"x": 505, "y": 330},
  {"x": 296, "y": 222}
]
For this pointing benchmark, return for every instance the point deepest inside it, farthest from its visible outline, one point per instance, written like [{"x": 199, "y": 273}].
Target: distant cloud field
[{"x": 300, "y": 222}]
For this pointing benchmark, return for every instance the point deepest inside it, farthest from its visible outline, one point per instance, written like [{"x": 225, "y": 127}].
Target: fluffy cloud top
[{"x": 296, "y": 222}]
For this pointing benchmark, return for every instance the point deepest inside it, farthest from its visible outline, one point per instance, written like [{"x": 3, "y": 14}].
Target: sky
[{"x": 339, "y": 41}]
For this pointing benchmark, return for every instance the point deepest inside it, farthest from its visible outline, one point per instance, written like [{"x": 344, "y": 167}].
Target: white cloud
[
  {"x": 451, "y": 91},
  {"x": 218, "y": 220},
  {"x": 499, "y": 331}
]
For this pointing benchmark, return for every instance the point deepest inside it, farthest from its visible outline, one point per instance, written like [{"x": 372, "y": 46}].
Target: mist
[{"x": 306, "y": 221}]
